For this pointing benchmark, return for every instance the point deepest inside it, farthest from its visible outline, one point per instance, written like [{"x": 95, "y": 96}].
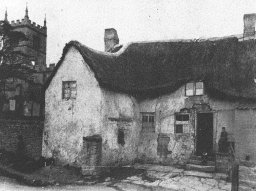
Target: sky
[{"x": 134, "y": 20}]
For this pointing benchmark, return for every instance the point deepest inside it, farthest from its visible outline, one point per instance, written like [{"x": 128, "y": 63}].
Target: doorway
[{"x": 204, "y": 133}]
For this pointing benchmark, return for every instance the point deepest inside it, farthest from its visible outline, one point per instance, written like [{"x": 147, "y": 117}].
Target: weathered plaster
[
  {"x": 165, "y": 107},
  {"x": 120, "y": 112},
  {"x": 97, "y": 111},
  {"x": 68, "y": 121},
  {"x": 182, "y": 146},
  {"x": 94, "y": 112},
  {"x": 245, "y": 132}
]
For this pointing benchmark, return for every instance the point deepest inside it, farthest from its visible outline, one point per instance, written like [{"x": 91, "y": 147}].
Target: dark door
[{"x": 204, "y": 138}]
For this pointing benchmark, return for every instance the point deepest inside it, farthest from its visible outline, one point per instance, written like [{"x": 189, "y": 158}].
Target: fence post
[{"x": 235, "y": 176}]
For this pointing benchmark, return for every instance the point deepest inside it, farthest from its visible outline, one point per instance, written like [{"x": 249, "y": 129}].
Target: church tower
[{"x": 35, "y": 46}]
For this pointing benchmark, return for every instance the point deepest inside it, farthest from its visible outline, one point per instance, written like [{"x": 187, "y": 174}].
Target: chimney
[
  {"x": 249, "y": 25},
  {"x": 111, "y": 39}
]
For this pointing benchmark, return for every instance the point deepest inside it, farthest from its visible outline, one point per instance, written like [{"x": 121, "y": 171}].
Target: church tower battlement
[{"x": 35, "y": 46}]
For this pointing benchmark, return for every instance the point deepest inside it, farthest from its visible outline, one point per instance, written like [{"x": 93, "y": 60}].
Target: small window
[
  {"x": 179, "y": 128},
  {"x": 120, "y": 137},
  {"x": 194, "y": 88},
  {"x": 181, "y": 122},
  {"x": 148, "y": 122},
  {"x": 182, "y": 117},
  {"x": 69, "y": 90}
]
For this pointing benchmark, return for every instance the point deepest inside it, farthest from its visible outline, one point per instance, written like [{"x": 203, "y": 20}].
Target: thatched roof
[{"x": 227, "y": 67}]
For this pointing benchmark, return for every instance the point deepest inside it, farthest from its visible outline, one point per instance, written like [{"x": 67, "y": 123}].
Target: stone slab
[
  {"x": 198, "y": 174},
  {"x": 200, "y": 168}
]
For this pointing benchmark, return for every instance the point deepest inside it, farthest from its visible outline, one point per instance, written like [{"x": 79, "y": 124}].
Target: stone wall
[{"x": 30, "y": 130}]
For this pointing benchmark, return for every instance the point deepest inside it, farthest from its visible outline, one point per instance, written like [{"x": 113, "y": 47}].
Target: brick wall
[{"x": 30, "y": 130}]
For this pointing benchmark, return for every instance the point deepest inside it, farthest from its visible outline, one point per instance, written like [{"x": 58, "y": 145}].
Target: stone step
[
  {"x": 199, "y": 162},
  {"x": 200, "y": 168},
  {"x": 195, "y": 157}
]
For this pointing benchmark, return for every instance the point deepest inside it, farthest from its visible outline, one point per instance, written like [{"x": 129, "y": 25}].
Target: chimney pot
[
  {"x": 111, "y": 39},
  {"x": 249, "y": 25}
]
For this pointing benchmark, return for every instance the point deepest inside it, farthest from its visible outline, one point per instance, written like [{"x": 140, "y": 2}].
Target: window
[
  {"x": 69, "y": 90},
  {"x": 36, "y": 42},
  {"x": 148, "y": 121},
  {"x": 181, "y": 122},
  {"x": 120, "y": 137},
  {"x": 179, "y": 128},
  {"x": 194, "y": 88}
]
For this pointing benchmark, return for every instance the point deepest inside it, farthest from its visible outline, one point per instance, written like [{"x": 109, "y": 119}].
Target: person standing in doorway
[{"x": 223, "y": 141}]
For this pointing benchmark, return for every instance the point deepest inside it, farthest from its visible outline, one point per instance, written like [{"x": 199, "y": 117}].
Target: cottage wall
[
  {"x": 121, "y": 113},
  {"x": 165, "y": 107},
  {"x": 182, "y": 146},
  {"x": 245, "y": 133},
  {"x": 68, "y": 121},
  {"x": 95, "y": 112},
  {"x": 115, "y": 118}
]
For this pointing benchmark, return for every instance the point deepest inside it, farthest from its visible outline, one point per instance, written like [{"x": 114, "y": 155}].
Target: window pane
[
  {"x": 189, "y": 89},
  {"x": 185, "y": 117},
  {"x": 66, "y": 95},
  {"x": 73, "y": 94},
  {"x": 199, "y": 88},
  {"x": 151, "y": 119},
  {"x": 199, "y": 85},
  {"x": 182, "y": 117},
  {"x": 199, "y": 91},
  {"x": 66, "y": 85},
  {"x": 144, "y": 118},
  {"x": 178, "y": 117},
  {"x": 73, "y": 85},
  {"x": 190, "y": 86},
  {"x": 179, "y": 129}
]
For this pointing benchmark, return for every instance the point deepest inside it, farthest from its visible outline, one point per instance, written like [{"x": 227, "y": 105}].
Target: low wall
[{"x": 30, "y": 130}]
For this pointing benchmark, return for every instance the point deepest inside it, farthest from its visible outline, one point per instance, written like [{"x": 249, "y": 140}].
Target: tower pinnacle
[
  {"x": 45, "y": 20},
  {"x": 6, "y": 15},
  {"x": 26, "y": 12}
]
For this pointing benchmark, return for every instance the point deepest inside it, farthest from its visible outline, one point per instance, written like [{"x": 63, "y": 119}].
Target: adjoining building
[
  {"x": 32, "y": 55},
  {"x": 150, "y": 101},
  {"x": 22, "y": 76}
]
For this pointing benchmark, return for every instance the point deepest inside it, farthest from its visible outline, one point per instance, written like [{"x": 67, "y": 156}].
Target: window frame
[
  {"x": 69, "y": 83},
  {"x": 180, "y": 122},
  {"x": 195, "y": 88},
  {"x": 148, "y": 125}
]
